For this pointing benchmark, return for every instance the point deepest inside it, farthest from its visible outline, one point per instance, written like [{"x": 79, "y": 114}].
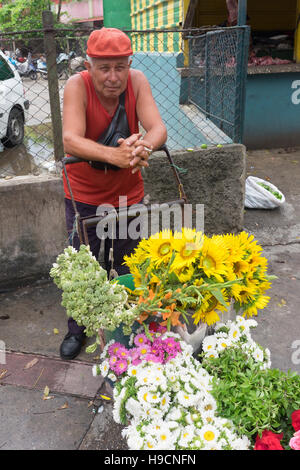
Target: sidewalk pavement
[{"x": 47, "y": 403}]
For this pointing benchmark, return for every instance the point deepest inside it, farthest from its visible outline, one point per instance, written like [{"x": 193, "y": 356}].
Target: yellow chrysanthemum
[{"x": 213, "y": 259}]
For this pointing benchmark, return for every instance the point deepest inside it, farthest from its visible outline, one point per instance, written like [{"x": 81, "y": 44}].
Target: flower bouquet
[
  {"x": 168, "y": 400},
  {"x": 182, "y": 278},
  {"x": 163, "y": 395}
]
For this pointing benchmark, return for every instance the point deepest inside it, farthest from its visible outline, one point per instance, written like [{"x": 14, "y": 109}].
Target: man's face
[{"x": 109, "y": 75}]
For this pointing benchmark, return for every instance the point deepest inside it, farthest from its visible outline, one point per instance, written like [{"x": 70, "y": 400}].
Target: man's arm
[
  {"x": 74, "y": 127},
  {"x": 148, "y": 114}
]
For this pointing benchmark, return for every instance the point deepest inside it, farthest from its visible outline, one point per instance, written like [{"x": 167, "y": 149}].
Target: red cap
[{"x": 108, "y": 42}]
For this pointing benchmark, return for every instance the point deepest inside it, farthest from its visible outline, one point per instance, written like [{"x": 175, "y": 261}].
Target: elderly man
[{"x": 91, "y": 99}]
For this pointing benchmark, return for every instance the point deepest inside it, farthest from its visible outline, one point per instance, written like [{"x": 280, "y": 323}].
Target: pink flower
[
  {"x": 135, "y": 356},
  {"x": 141, "y": 339},
  {"x": 114, "y": 347},
  {"x": 120, "y": 366},
  {"x": 122, "y": 352},
  {"x": 113, "y": 360},
  {"x": 153, "y": 358},
  {"x": 295, "y": 441},
  {"x": 143, "y": 350}
]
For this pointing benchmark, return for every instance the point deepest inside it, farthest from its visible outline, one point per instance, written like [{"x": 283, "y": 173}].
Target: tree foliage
[{"x": 16, "y": 15}]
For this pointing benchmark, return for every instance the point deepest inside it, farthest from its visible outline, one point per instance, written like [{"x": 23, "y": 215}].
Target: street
[{"x": 35, "y": 155}]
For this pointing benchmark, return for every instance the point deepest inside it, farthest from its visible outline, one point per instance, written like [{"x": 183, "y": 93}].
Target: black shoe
[{"x": 71, "y": 345}]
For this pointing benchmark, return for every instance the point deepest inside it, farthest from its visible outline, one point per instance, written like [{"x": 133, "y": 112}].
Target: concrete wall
[
  {"x": 32, "y": 226},
  {"x": 32, "y": 219}
]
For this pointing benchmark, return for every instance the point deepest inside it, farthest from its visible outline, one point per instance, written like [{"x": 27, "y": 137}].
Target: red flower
[
  {"x": 268, "y": 441},
  {"x": 153, "y": 326},
  {"x": 296, "y": 420}
]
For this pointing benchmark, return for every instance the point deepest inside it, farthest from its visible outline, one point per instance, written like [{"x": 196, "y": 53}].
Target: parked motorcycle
[
  {"x": 27, "y": 68},
  {"x": 62, "y": 65}
]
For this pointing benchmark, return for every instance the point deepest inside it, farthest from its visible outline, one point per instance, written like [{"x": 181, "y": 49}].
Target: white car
[{"x": 13, "y": 105}]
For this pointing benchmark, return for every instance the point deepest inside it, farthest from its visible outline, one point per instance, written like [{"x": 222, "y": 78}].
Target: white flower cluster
[
  {"x": 88, "y": 296},
  {"x": 169, "y": 406},
  {"x": 236, "y": 334}
]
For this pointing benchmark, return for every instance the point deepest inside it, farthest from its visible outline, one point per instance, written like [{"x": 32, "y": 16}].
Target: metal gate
[{"x": 217, "y": 80}]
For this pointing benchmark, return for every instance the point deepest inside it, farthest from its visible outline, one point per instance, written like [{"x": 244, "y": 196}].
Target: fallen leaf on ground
[
  {"x": 31, "y": 363},
  {"x": 64, "y": 406},
  {"x": 55, "y": 331},
  {"x": 3, "y": 372},
  {"x": 46, "y": 393}
]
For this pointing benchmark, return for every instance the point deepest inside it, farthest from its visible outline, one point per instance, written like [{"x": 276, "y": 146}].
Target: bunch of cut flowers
[
  {"x": 181, "y": 272},
  {"x": 88, "y": 296},
  {"x": 163, "y": 395}
]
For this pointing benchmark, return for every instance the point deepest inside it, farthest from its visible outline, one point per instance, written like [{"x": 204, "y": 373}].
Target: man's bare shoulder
[
  {"x": 137, "y": 76},
  {"x": 75, "y": 81},
  {"x": 139, "y": 82}
]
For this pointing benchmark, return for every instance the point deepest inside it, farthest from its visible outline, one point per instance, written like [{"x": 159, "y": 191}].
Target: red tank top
[{"x": 96, "y": 187}]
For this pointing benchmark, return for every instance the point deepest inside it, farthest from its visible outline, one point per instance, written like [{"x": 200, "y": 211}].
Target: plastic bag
[{"x": 257, "y": 197}]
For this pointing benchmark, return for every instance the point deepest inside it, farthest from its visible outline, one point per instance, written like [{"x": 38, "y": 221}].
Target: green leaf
[
  {"x": 91, "y": 349},
  {"x": 219, "y": 296}
]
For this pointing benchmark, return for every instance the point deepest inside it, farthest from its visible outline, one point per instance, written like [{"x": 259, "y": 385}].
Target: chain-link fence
[{"x": 197, "y": 79}]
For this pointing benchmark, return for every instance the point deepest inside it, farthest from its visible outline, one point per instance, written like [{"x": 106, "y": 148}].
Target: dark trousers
[{"x": 121, "y": 247}]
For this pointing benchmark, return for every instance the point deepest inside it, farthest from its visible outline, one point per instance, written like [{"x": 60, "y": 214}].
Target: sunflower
[
  {"x": 244, "y": 294},
  {"x": 248, "y": 243},
  {"x": 139, "y": 255},
  {"x": 207, "y": 312},
  {"x": 160, "y": 247},
  {"x": 187, "y": 247},
  {"x": 185, "y": 273},
  {"x": 214, "y": 258},
  {"x": 258, "y": 303},
  {"x": 235, "y": 249},
  {"x": 137, "y": 278}
]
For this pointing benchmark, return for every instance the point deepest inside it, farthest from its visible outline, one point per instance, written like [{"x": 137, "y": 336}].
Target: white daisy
[
  {"x": 209, "y": 404},
  {"x": 209, "y": 435},
  {"x": 104, "y": 368},
  {"x": 234, "y": 333},
  {"x": 149, "y": 443},
  {"x": 186, "y": 399},
  {"x": 187, "y": 435},
  {"x": 174, "y": 414},
  {"x": 258, "y": 355},
  {"x": 223, "y": 343}
]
